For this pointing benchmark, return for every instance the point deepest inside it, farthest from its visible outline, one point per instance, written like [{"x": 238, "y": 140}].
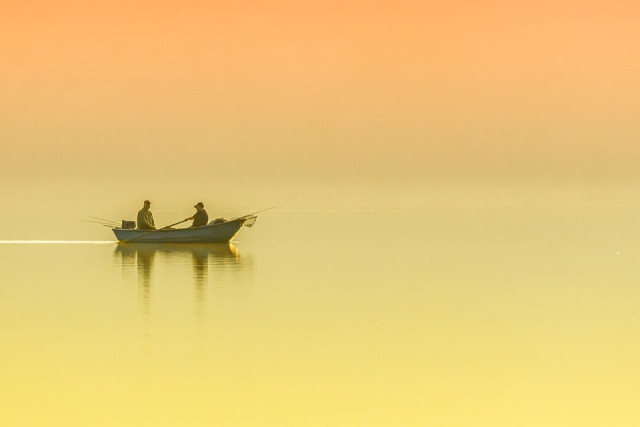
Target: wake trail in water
[{"x": 56, "y": 242}]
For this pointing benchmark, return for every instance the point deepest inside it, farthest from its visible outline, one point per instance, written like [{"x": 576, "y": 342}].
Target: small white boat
[{"x": 221, "y": 232}]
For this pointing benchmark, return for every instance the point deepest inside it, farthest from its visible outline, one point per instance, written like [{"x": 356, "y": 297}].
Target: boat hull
[{"x": 212, "y": 233}]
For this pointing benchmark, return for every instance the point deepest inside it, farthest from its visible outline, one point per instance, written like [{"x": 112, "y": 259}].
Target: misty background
[{"x": 314, "y": 106}]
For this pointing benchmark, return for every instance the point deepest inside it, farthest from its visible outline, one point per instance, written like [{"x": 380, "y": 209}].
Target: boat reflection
[
  {"x": 223, "y": 262},
  {"x": 222, "y": 257}
]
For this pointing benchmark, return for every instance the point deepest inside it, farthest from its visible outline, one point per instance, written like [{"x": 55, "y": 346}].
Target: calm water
[{"x": 507, "y": 309}]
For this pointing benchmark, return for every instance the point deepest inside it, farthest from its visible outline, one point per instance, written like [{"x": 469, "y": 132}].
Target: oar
[{"x": 153, "y": 231}]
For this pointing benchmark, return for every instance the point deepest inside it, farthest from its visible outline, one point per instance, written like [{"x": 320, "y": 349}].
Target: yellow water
[{"x": 449, "y": 305}]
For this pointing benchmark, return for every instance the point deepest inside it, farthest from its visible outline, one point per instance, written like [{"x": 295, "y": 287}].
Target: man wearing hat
[
  {"x": 145, "y": 217},
  {"x": 200, "y": 218}
]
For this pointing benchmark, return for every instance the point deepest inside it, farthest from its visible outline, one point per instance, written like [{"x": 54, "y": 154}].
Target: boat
[{"x": 214, "y": 232}]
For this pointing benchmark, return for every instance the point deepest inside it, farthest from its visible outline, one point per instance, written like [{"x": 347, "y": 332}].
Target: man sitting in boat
[
  {"x": 200, "y": 218},
  {"x": 145, "y": 217}
]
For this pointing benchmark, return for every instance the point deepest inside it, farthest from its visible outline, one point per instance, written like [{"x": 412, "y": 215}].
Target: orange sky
[{"x": 403, "y": 88}]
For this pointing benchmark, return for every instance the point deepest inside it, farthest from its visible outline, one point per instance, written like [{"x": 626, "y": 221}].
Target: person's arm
[{"x": 189, "y": 219}]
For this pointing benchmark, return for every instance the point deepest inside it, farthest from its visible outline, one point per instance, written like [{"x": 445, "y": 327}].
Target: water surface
[{"x": 461, "y": 311}]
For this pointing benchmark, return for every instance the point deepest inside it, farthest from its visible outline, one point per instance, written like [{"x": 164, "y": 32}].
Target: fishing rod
[
  {"x": 104, "y": 219},
  {"x": 253, "y": 213},
  {"x": 107, "y": 224}
]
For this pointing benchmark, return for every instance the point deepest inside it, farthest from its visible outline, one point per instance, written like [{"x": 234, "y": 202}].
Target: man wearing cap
[
  {"x": 200, "y": 218},
  {"x": 145, "y": 217}
]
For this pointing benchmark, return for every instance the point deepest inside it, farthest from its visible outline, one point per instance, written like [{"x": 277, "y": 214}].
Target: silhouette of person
[
  {"x": 145, "y": 217},
  {"x": 201, "y": 217}
]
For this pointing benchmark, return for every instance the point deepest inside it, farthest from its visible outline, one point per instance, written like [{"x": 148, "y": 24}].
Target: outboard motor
[{"x": 128, "y": 225}]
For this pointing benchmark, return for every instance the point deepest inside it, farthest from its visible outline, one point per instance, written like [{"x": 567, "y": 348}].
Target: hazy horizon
[{"x": 283, "y": 91}]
